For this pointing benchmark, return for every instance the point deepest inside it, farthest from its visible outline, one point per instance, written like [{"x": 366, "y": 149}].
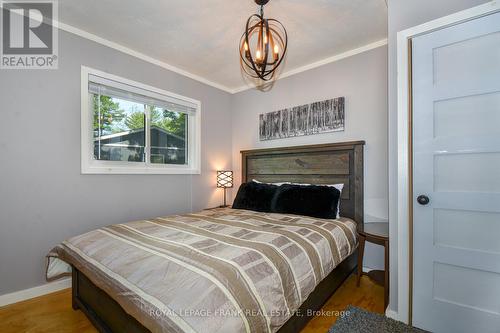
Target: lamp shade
[{"x": 224, "y": 179}]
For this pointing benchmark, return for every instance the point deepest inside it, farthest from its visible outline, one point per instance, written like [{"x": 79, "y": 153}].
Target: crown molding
[
  {"x": 322, "y": 62},
  {"x": 139, "y": 55},
  {"x": 87, "y": 35},
  {"x": 100, "y": 40}
]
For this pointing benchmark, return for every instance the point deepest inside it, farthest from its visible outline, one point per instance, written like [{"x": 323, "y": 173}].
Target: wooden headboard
[{"x": 331, "y": 163}]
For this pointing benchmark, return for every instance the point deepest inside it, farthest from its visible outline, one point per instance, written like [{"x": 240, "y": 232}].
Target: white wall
[
  {"x": 362, "y": 79},
  {"x": 404, "y": 14}
]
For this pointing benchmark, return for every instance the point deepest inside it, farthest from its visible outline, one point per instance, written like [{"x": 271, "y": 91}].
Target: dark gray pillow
[
  {"x": 255, "y": 196},
  {"x": 309, "y": 200}
]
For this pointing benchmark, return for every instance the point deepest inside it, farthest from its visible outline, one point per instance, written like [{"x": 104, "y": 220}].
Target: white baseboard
[
  {"x": 367, "y": 269},
  {"x": 388, "y": 313},
  {"x": 392, "y": 314},
  {"x": 25, "y": 294}
]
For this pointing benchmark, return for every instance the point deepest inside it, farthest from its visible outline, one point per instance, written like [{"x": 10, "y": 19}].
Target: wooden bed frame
[{"x": 314, "y": 164}]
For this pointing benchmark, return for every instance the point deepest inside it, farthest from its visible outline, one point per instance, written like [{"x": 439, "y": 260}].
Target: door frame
[{"x": 405, "y": 152}]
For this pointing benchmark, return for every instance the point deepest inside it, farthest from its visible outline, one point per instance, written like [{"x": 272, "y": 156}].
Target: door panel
[
  {"x": 459, "y": 59},
  {"x": 456, "y": 163},
  {"x": 467, "y": 172},
  {"x": 458, "y": 285},
  {"x": 453, "y": 227},
  {"x": 452, "y": 116}
]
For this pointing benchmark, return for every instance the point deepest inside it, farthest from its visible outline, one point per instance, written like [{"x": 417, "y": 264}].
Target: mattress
[{"x": 219, "y": 270}]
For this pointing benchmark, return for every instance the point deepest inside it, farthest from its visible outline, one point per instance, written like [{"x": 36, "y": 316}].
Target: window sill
[{"x": 140, "y": 171}]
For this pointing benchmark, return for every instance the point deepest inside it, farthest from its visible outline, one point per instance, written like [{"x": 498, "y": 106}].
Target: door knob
[{"x": 423, "y": 200}]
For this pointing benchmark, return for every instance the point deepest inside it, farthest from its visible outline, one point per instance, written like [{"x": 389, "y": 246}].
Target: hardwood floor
[
  {"x": 368, "y": 296},
  {"x": 53, "y": 313},
  {"x": 49, "y": 313}
]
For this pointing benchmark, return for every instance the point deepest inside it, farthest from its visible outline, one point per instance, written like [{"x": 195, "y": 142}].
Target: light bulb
[
  {"x": 246, "y": 46},
  {"x": 258, "y": 54},
  {"x": 276, "y": 49}
]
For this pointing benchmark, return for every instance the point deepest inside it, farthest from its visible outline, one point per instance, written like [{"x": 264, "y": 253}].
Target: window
[{"x": 128, "y": 127}]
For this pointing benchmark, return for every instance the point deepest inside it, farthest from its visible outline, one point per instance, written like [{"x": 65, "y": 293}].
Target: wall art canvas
[{"x": 314, "y": 118}]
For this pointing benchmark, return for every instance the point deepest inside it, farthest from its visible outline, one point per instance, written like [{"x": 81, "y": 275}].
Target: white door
[{"x": 456, "y": 165}]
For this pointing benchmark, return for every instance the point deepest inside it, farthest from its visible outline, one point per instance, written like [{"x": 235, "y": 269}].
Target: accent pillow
[
  {"x": 339, "y": 187},
  {"x": 255, "y": 196},
  {"x": 309, "y": 200}
]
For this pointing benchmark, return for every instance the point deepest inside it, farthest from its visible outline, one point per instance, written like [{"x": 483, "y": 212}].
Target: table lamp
[{"x": 224, "y": 180}]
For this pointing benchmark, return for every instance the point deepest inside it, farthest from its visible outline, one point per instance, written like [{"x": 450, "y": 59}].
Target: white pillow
[
  {"x": 277, "y": 184},
  {"x": 337, "y": 186}
]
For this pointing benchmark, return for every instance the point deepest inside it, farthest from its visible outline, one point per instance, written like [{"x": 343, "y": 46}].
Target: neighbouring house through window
[{"x": 128, "y": 127}]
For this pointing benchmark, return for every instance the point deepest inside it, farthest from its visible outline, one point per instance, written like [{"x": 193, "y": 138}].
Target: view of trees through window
[{"x": 119, "y": 132}]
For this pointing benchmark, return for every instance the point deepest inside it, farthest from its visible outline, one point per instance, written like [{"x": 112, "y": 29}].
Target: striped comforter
[{"x": 221, "y": 270}]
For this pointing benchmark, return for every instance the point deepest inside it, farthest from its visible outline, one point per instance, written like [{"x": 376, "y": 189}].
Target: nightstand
[{"x": 377, "y": 233}]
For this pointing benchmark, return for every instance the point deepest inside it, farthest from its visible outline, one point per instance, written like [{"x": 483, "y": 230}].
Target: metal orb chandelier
[{"x": 263, "y": 45}]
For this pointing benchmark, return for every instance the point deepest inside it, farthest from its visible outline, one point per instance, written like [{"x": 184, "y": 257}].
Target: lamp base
[{"x": 224, "y": 205}]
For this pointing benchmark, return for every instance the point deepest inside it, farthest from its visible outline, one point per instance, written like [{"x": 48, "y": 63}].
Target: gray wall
[
  {"x": 44, "y": 198},
  {"x": 362, "y": 79},
  {"x": 404, "y": 14}
]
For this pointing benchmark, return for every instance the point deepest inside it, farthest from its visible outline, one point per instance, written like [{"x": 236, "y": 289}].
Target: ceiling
[{"x": 201, "y": 36}]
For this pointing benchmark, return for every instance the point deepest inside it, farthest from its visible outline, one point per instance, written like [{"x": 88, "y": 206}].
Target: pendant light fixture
[{"x": 263, "y": 45}]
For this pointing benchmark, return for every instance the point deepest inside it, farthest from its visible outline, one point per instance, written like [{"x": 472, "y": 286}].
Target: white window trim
[{"x": 91, "y": 166}]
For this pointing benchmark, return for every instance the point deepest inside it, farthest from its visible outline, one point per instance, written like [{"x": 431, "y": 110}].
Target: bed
[{"x": 226, "y": 270}]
